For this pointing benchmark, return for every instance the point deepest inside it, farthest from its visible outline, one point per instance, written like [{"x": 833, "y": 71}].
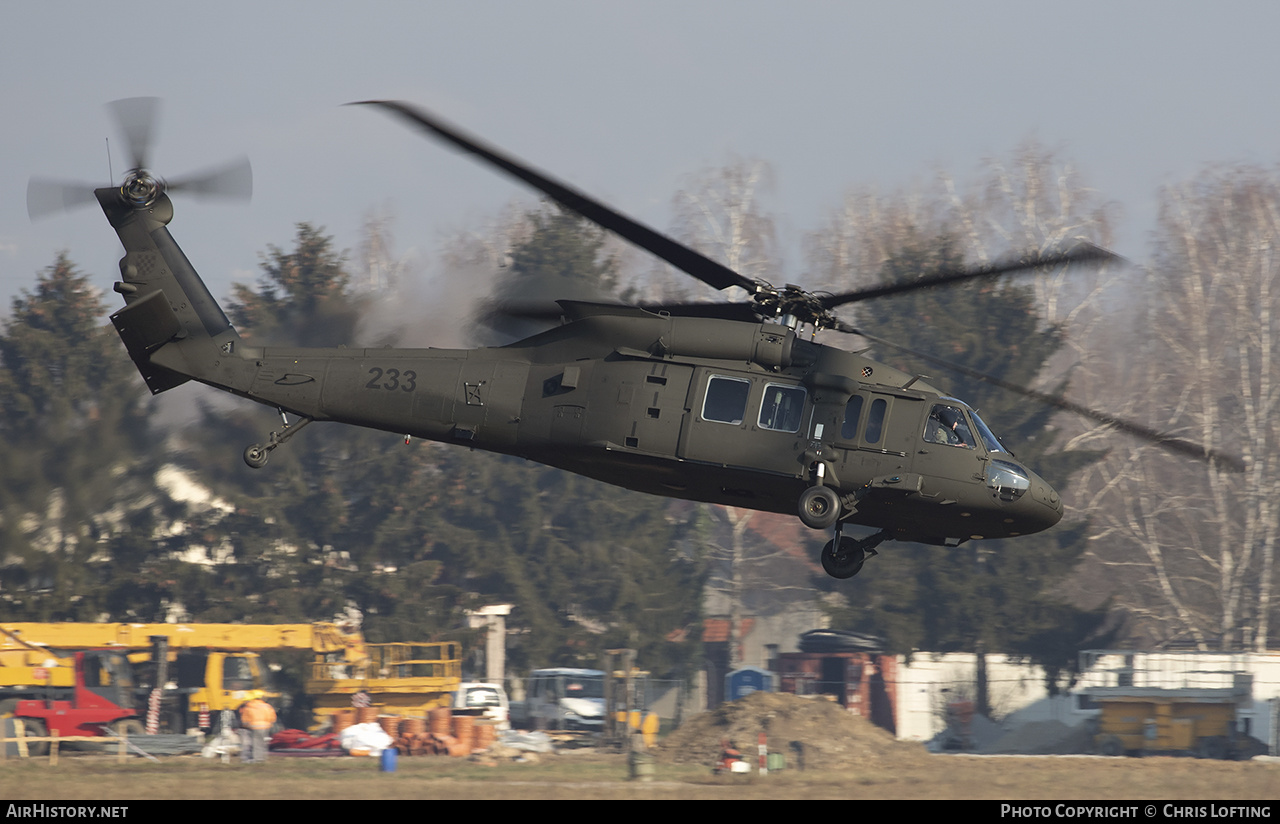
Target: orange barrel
[
  {"x": 486, "y": 732},
  {"x": 413, "y": 726},
  {"x": 442, "y": 721},
  {"x": 390, "y": 724},
  {"x": 343, "y": 718},
  {"x": 366, "y": 715},
  {"x": 464, "y": 731}
]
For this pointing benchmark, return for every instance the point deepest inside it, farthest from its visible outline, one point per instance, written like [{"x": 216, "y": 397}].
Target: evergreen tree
[
  {"x": 562, "y": 257},
  {"x": 303, "y": 297},
  {"x": 566, "y": 245},
  {"x": 993, "y": 596},
  {"x": 76, "y": 447},
  {"x": 304, "y": 536},
  {"x": 587, "y": 566}
]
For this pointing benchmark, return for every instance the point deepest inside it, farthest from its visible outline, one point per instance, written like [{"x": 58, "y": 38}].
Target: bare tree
[
  {"x": 1036, "y": 202},
  {"x": 720, "y": 213},
  {"x": 379, "y": 269},
  {"x": 1203, "y": 538},
  {"x": 761, "y": 566}
]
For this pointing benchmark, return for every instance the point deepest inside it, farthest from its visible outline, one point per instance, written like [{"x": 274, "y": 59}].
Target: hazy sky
[{"x": 622, "y": 99}]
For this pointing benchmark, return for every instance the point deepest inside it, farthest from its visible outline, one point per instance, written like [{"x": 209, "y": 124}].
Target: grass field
[{"x": 588, "y": 775}]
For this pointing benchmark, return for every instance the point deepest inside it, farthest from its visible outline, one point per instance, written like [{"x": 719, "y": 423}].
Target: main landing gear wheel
[
  {"x": 846, "y": 561},
  {"x": 819, "y": 507}
]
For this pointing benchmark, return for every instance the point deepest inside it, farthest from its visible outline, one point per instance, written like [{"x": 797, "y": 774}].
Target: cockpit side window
[
  {"x": 726, "y": 400},
  {"x": 948, "y": 425}
]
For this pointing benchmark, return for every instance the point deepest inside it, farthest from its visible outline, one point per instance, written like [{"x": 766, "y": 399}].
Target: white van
[
  {"x": 566, "y": 698},
  {"x": 484, "y": 700}
]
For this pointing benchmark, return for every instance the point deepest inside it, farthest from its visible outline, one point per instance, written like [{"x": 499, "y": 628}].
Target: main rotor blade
[
  {"x": 1161, "y": 439},
  {"x": 1083, "y": 253},
  {"x": 136, "y": 117},
  {"x": 677, "y": 254},
  {"x": 47, "y": 197},
  {"x": 231, "y": 180}
]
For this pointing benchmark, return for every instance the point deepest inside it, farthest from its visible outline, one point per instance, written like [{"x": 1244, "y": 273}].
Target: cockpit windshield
[
  {"x": 988, "y": 438},
  {"x": 949, "y": 421}
]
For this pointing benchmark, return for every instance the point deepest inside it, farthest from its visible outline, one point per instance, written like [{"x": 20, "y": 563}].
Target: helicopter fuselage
[{"x": 705, "y": 409}]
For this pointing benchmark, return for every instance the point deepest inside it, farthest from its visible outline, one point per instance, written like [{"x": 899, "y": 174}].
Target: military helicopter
[{"x": 723, "y": 403}]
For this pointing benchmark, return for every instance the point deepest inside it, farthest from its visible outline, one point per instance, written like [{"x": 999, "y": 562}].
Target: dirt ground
[{"x": 834, "y": 756}]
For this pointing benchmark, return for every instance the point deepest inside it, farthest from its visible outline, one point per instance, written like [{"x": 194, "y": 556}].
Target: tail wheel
[
  {"x": 256, "y": 456},
  {"x": 819, "y": 507}
]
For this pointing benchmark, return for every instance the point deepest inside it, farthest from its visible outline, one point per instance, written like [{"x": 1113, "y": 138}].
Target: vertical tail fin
[{"x": 165, "y": 299}]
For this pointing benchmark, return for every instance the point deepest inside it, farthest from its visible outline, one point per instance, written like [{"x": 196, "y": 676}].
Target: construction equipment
[
  {"x": 99, "y": 699},
  {"x": 217, "y": 666},
  {"x": 394, "y": 678}
]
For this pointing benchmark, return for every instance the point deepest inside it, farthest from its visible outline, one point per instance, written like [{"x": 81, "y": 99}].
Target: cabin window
[
  {"x": 852, "y": 412},
  {"x": 947, "y": 425},
  {"x": 782, "y": 407},
  {"x": 726, "y": 400},
  {"x": 875, "y": 420}
]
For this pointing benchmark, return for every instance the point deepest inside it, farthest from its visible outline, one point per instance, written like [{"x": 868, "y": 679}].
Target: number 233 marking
[{"x": 406, "y": 381}]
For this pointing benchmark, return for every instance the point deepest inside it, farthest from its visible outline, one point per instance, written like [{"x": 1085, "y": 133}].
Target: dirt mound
[{"x": 820, "y": 731}]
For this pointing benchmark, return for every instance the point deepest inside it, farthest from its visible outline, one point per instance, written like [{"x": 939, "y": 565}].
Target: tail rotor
[{"x": 136, "y": 119}]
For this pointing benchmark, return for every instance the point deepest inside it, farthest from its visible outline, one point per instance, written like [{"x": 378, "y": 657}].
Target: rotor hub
[
  {"x": 140, "y": 188},
  {"x": 793, "y": 305}
]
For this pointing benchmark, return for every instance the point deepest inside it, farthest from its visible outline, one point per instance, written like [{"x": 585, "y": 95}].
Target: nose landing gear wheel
[{"x": 845, "y": 561}]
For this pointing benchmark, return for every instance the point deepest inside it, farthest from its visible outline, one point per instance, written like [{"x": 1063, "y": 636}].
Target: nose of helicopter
[{"x": 1044, "y": 504}]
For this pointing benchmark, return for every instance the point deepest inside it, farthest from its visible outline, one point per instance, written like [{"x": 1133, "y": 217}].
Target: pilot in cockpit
[{"x": 947, "y": 425}]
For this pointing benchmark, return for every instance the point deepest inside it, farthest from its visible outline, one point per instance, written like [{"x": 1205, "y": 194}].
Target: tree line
[{"x": 109, "y": 511}]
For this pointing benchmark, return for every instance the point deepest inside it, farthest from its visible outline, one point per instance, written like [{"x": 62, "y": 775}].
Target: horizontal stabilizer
[{"x": 145, "y": 325}]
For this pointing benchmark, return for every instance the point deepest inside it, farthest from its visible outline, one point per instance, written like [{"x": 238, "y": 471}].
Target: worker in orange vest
[{"x": 256, "y": 718}]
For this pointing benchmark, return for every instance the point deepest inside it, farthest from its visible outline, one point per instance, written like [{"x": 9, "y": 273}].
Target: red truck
[{"x": 101, "y": 699}]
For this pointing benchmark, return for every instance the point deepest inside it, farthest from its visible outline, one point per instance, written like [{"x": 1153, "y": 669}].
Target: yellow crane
[{"x": 217, "y": 666}]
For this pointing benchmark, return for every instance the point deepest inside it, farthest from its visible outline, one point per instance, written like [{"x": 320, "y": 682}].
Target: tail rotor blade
[
  {"x": 232, "y": 180},
  {"x": 47, "y": 197},
  {"x": 136, "y": 117}
]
